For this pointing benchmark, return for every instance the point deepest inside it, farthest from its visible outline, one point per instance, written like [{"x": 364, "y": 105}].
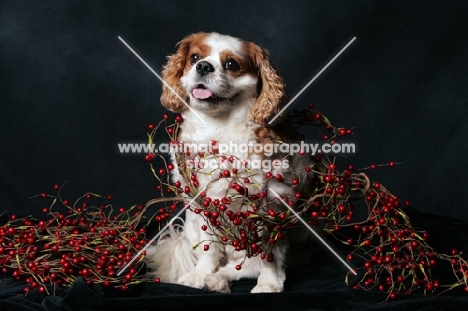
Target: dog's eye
[
  {"x": 232, "y": 65},
  {"x": 194, "y": 58}
]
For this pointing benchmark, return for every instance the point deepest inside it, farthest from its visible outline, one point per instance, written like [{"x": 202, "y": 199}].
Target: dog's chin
[{"x": 213, "y": 104}]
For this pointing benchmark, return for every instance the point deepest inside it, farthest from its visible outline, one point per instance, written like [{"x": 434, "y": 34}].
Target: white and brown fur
[{"x": 244, "y": 100}]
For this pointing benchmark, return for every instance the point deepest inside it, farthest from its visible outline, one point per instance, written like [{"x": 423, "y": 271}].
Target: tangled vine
[
  {"x": 396, "y": 257},
  {"x": 78, "y": 239},
  {"x": 96, "y": 241}
]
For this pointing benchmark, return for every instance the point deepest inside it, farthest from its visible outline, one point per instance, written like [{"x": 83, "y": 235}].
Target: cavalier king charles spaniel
[{"x": 233, "y": 87}]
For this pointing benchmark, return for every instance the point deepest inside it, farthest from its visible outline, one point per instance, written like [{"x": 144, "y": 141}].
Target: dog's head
[{"x": 215, "y": 73}]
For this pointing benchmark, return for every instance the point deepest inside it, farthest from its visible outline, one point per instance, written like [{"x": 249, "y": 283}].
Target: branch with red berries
[
  {"x": 88, "y": 238},
  {"x": 397, "y": 259}
]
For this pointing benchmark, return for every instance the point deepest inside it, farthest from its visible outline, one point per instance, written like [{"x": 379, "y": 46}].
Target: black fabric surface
[
  {"x": 70, "y": 91},
  {"x": 318, "y": 285}
]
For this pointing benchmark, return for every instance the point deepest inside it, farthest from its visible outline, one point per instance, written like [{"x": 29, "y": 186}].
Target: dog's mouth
[{"x": 201, "y": 92}]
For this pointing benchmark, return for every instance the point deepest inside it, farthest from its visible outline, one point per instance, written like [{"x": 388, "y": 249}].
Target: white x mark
[
  {"x": 161, "y": 79},
  {"x": 313, "y": 231},
  {"x": 160, "y": 232},
  {"x": 310, "y": 82}
]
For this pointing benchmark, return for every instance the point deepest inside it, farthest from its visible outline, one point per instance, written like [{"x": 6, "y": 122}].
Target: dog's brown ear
[
  {"x": 271, "y": 87},
  {"x": 173, "y": 93}
]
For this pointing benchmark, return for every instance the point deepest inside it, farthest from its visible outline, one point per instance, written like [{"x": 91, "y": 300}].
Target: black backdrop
[{"x": 70, "y": 90}]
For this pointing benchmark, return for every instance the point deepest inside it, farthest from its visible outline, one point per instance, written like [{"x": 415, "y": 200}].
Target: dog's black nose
[{"x": 204, "y": 68}]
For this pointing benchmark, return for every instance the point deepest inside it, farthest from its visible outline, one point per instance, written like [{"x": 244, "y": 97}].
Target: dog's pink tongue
[{"x": 202, "y": 93}]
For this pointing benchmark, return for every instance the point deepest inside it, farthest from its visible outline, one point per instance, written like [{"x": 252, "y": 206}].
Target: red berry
[
  {"x": 429, "y": 287},
  {"x": 279, "y": 177},
  {"x": 238, "y": 267},
  {"x": 206, "y": 247}
]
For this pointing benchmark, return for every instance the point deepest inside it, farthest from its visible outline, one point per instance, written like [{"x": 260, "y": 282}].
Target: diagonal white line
[
  {"x": 310, "y": 82},
  {"x": 159, "y": 233},
  {"x": 161, "y": 79},
  {"x": 313, "y": 231}
]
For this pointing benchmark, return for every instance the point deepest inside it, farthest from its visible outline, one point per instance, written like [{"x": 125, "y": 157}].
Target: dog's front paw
[
  {"x": 217, "y": 283},
  {"x": 193, "y": 279},
  {"x": 267, "y": 288}
]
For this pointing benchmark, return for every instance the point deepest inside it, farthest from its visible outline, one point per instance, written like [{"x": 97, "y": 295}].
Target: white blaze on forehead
[{"x": 219, "y": 43}]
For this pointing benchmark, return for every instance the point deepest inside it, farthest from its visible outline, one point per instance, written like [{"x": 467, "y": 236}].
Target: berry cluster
[
  {"x": 96, "y": 241},
  {"x": 395, "y": 256},
  {"x": 89, "y": 241},
  {"x": 254, "y": 230}
]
